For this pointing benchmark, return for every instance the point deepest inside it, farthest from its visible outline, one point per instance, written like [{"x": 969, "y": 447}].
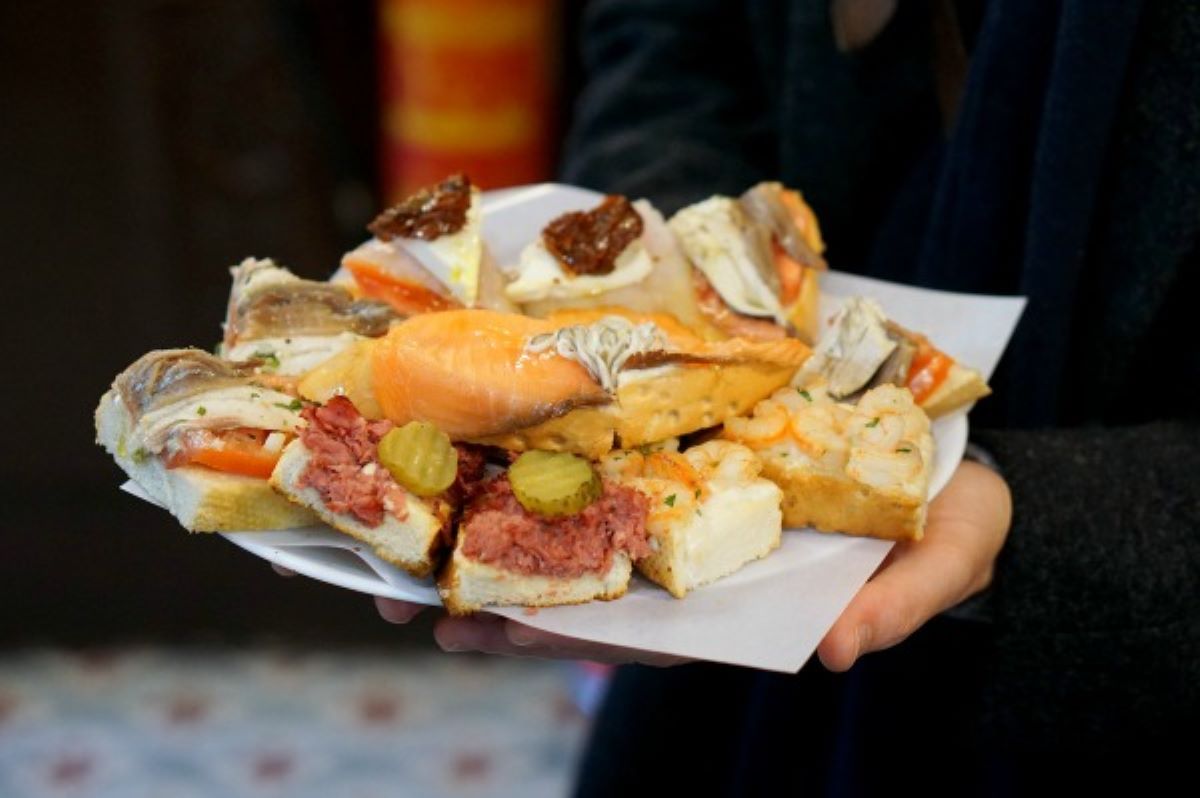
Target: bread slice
[
  {"x": 412, "y": 544},
  {"x": 201, "y": 499},
  {"x": 667, "y": 401},
  {"x": 961, "y": 386},
  {"x": 857, "y": 469},
  {"x": 467, "y": 585},
  {"x": 710, "y": 512}
]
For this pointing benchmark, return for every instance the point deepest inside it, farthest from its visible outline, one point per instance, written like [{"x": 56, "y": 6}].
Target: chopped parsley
[
  {"x": 905, "y": 449},
  {"x": 268, "y": 358},
  {"x": 804, "y": 393},
  {"x": 697, "y": 493},
  {"x": 255, "y": 394},
  {"x": 140, "y": 455},
  {"x": 201, "y": 410},
  {"x": 670, "y": 500},
  {"x": 873, "y": 422},
  {"x": 293, "y": 405}
]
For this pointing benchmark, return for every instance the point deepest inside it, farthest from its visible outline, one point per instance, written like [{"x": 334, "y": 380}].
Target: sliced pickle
[
  {"x": 554, "y": 483},
  {"x": 420, "y": 457}
]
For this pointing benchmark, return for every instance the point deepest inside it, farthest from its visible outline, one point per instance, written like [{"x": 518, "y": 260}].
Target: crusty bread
[
  {"x": 710, "y": 511},
  {"x": 411, "y": 544},
  {"x": 467, "y": 585},
  {"x": 804, "y": 313},
  {"x": 690, "y": 385},
  {"x": 961, "y": 386},
  {"x": 653, "y": 406},
  {"x": 860, "y": 470},
  {"x": 201, "y": 499}
]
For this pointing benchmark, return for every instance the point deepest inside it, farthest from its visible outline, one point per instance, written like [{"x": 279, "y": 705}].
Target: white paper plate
[{"x": 773, "y": 612}]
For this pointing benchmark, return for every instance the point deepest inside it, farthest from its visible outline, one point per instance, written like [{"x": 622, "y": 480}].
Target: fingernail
[{"x": 520, "y": 637}]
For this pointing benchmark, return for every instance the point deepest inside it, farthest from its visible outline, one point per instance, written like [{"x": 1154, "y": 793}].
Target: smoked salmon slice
[{"x": 467, "y": 372}]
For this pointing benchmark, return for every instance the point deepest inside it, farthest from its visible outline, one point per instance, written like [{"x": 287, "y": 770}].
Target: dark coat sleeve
[
  {"x": 1096, "y": 599},
  {"x": 673, "y": 109}
]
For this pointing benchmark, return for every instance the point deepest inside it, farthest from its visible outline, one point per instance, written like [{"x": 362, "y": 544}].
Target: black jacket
[{"x": 1071, "y": 175}]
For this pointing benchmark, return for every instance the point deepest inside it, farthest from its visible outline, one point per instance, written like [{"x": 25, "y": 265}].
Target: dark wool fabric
[{"x": 1071, "y": 176}]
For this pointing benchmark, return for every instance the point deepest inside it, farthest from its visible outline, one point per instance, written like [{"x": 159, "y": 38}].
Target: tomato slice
[
  {"x": 405, "y": 296},
  {"x": 238, "y": 451},
  {"x": 928, "y": 370}
]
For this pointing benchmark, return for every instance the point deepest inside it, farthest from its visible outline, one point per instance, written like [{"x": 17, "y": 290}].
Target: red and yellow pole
[{"x": 467, "y": 86}]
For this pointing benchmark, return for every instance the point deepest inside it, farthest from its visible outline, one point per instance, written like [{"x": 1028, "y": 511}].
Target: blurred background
[{"x": 145, "y": 146}]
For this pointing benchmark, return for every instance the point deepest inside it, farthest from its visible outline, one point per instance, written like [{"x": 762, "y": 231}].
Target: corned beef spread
[
  {"x": 344, "y": 467},
  {"x": 344, "y": 462},
  {"x": 500, "y": 532}
]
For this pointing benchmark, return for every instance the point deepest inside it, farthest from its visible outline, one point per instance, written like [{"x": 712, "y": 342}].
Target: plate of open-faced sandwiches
[{"x": 546, "y": 397}]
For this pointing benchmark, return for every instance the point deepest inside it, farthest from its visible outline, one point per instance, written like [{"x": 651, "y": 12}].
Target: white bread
[
  {"x": 961, "y": 386},
  {"x": 201, "y": 499},
  {"x": 411, "y": 544},
  {"x": 710, "y": 512},
  {"x": 467, "y": 585},
  {"x": 857, "y": 469}
]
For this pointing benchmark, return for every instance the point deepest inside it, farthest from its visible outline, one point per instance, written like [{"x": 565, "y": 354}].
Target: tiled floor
[{"x": 154, "y": 722}]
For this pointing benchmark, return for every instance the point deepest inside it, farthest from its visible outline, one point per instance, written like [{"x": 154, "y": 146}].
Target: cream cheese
[
  {"x": 539, "y": 275},
  {"x": 602, "y": 347},
  {"x": 454, "y": 259},
  {"x": 293, "y": 355}
]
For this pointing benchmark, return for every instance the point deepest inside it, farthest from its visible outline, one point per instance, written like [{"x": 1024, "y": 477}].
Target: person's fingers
[
  {"x": 493, "y": 634},
  {"x": 891, "y": 606},
  {"x": 394, "y": 611},
  {"x": 542, "y": 643},
  {"x": 481, "y": 632},
  {"x": 279, "y": 569},
  {"x": 967, "y": 526}
]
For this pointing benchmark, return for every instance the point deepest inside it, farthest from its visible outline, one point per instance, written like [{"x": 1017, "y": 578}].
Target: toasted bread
[
  {"x": 710, "y": 512},
  {"x": 961, "y": 386},
  {"x": 467, "y": 585},
  {"x": 857, "y": 469},
  {"x": 412, "y": 544}
]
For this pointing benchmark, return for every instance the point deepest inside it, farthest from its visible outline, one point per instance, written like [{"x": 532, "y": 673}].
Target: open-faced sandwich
[
  {"x": 599, "y": 382},
  {"x": 290, "y": 325},
  {"x": 863, "y": 348},
  {"x": 201, "y": 435},
  {"x": 549, "y": 530},
  {"x": 428, "y": 254},
  {"x": 756, "y": 260},
  {"x": 860, "y": 469},
  {"x": 710, "y": 513},
  {"x": 398, "y": 489},
  {"x": 619, "y": 254}
]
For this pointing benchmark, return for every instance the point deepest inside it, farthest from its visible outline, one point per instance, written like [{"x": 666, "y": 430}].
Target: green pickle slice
[
  {"x": 420, "y": 457},
  {"x": 554, "y": 483}
]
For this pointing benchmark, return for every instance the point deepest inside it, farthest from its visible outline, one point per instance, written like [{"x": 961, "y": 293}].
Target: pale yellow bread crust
[
  {"x": 961, "y": 386},
  {"x": 804, "y": 313},
  {"x": 467, "y": 586},
  {"x": 696, "y": 387},
  {"x": 201, "y": 499},
  {"x": 831, "y": 503},
  {"x": 665, "y": 566},
  {"x": 858, "y": 469},
  {"x": 684, "y": 399},
  {"x": 412, "y": 544}
]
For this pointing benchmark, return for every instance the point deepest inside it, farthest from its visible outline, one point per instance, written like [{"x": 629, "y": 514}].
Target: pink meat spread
[
  {"x": 344, "y": 463},
  {"x": 500, "y": 532}
]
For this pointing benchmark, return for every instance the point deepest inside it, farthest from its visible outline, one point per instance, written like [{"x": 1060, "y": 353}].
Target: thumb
[{"x": 921, "y": 581}]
